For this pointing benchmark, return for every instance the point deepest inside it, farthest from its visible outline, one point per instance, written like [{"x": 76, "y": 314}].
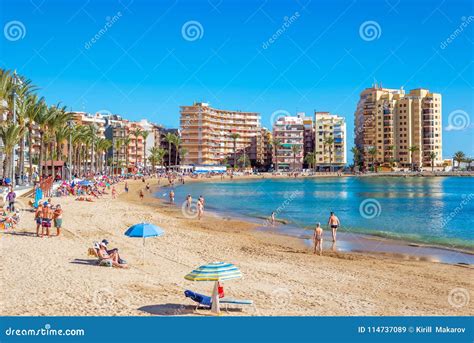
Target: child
[
  {"x": 114, "y": 192},
  {"x": 58, "y": 219},
  {"x": 318, "y": 239},
  {"x": 141, "y": 194}
]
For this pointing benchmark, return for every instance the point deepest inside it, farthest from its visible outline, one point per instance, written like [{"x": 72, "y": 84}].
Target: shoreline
[{"x": 378, "y": 243}]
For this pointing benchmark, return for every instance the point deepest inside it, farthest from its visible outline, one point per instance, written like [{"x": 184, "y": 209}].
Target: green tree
[{"x": 234, "y": 137}]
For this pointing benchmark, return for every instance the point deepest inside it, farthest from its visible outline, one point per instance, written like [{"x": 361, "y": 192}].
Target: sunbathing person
[{"x": 113, "y": 256}]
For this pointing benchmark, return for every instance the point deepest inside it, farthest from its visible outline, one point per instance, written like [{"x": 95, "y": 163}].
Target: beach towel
[{"x": 199, "y": 298}]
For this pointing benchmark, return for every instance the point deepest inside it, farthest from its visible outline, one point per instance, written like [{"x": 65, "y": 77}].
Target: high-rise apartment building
[
  {"x": 330, "y": 141},
  {"x": 397, "y": 129},
  {"x": 289, "y": 132},
  {"x": 208, "y": 134}
]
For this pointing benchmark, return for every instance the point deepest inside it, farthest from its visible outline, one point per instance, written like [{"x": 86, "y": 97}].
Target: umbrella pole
[
  {"x": 215, "y": 299},
  {"x": 143, "y": 255}
]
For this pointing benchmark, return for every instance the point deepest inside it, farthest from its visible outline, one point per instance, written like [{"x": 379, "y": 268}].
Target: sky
[{"x": 144, "y": 59}]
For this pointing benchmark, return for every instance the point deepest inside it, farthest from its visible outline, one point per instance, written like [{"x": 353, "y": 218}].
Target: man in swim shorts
[{"x": 333, "y": 223}]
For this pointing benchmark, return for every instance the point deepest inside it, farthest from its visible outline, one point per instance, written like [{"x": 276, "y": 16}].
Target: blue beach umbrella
[
  {"x": 85, "y": 183},
  {"x": 144, "y": 230},
  {"x": 215, "y": 271}
]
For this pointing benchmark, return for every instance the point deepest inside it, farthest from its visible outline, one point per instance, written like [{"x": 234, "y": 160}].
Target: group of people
[
  {"x": 333, "y": 224},
  {"x": 45, "y": 214},
  {"x": 199, "y": 205}
]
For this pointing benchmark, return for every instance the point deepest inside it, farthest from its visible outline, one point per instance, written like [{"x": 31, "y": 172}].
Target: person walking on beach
[
  {"x": 200, "y": 208},
  {"x": 11, "y": 198},
  {"x": 189, "y": 201},
  {"x": 201, "y": 199},
  {"x": 126, "y": 187},
  {"x": 142, "y": 195},
  {"x": 333, "y": 223},
  {"x": 38, "y": 219},
  {"x": 58, "y": 219},
  {"x": 148, "y": 187},
  {"x": 114, "y": 192},
  {"x": 318, "y": 239},
  {"x": 171, "y": 195},
  {"x": 273, "y": 218}
]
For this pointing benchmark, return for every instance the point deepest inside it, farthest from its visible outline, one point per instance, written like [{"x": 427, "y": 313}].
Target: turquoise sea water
[{"x": 423, "y": 210}]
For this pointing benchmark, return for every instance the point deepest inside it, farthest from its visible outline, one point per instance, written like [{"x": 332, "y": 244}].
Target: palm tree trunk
[
  {"x": 144, "y": 154},
  {"x": 176, "y": 156},
  {"x": 169, "y": 154},
  {"x": 40, "y": 162},
  {"x": 136, "y": 153},
  {"x": 30, "y": 154}
]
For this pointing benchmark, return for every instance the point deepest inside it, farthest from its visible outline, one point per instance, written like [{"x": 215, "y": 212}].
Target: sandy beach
[{"x": 56, "y": 277}]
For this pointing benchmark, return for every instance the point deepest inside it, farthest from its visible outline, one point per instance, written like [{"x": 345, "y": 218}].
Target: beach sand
[{"x": 55, "y": 276}]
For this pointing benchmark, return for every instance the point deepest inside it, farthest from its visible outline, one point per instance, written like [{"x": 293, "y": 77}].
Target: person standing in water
[
  {"x": 189, "y": 201},
  {"x": 171, "y": 197},
  {"x": 273, "y": 219},
  {"x": 333, "y": 223},
  {"x": 318, "y": 239},
  {"x": 200, "y": 208}
]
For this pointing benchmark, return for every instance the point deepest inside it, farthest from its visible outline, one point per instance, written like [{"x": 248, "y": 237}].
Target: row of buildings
[
  {"x": 214, "y": 136},
  {"x": 392, "y": 129}
]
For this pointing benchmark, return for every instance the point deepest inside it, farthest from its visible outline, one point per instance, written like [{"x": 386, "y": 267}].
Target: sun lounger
[
  {"x": 204, "y": 300},
  {"x": 94, "y": 253}
]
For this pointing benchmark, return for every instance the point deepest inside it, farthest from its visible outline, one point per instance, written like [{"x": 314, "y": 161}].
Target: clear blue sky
[{"x": 143, "y": 67}]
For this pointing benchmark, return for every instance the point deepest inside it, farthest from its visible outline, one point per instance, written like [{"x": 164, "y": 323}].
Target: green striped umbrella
[{"x": 215, "y": 271}]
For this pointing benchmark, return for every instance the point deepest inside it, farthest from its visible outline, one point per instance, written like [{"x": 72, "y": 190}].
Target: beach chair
[
  {"x": 206, "y": 301},
  {"x": 93, "y": 253},
  {"x": 202, "y": 300}
]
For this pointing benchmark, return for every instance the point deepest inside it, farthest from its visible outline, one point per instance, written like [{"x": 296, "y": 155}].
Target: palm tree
[
  {"x": 295, "y": 149},
  {"x": 137, "y": 133},
  {"x": 176, "y": 143},
  {"x": 310, "y": 158},
  {"x": 153, "y": 157},
  {"x": 469, "y": 160},
  {"x": 35, "y": 108},
  {"x": 412, "y": 150},
  {"x": 182, "y": 153},
  {"x": 373, "y": 153},
  {"x": 169, "y": 138},
  {"x": 117, "y": 147},
  {"x": 432, "y": 159},
  {"x": 234, "y": 137},
  {"x": 459, "y": 157},
  {"x": 10, "y": 135},
  {"x": 145, "y": 135},
  {"x": 244, "y": 161},
  {"x": 356, "y": 155},
  {"x": 126, "y": 142},
  {"x": 330, "y": 142},
  {"x": 276, "y": 143}
]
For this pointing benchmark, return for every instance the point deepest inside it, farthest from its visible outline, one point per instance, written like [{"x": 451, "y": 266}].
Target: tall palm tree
[
  {"x": 118, "y": 143},
  {"x": 10, "y": 135},
  {"x": 295, "y": 149},
  {"x": 137, "y": 133},
  {"x": 310, "y": 158},
  {"x": 35, "y": 108},
  {"x": 153, "y": 157},
  {"x": 126, "y": 142},
  {"x": 176, "y": 143},
  {"x": 234, "y": 137},
  {"x": 459, "y": 157},
  {"x": 145, "y": 135},
  {"x": 169, "y": 138},
  {"x": 276, "y": 143},
  {"x": 412, "y": 150},
  {"x": 432, "y": 159},
  {"x": 356, "y": 155},
  {"x": 329, "y": 141}
]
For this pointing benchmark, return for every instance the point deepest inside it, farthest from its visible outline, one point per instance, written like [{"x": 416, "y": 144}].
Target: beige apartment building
[
  {"x": 207, "y": 134},
  {"x": 330, "y": 141},
  {"x": 289, "y": 131},
  {"x": 395, "y": 129}
]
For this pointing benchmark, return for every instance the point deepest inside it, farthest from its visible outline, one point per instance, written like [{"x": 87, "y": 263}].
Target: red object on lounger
[{"x": 220, "y": 290}]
